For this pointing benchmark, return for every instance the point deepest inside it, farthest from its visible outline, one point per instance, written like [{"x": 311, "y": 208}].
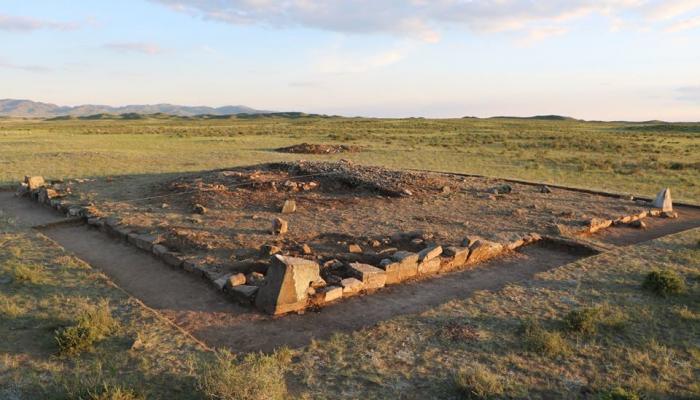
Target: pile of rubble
[{"x": 308, "y": 148}]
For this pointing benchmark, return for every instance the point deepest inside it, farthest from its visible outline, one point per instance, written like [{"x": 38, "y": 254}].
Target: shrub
[
  {"x": 478, "y": 383},
  {"x": 255, "y": 377},
  {"x": 583, "y": 321},
  {"x": 619, "y": 393},
  {"x": 664, "y": 283},
  {"x": 540, "y": 340},
  {"x": 93, "y": 324}
]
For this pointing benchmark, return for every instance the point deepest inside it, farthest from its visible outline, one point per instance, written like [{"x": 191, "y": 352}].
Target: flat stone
[
  {"x": 351, "y": 286},
  {"x": 669, "y": 214},
  {"x": 306, "y": 249},
  {"x": 279, "y": 226},
  {"x": 663, "y": 200},
  {"x": 244, "y": 294},
  {"x": 143, "y": 242},
  {"x": 483, "y": 250},
  {"x": 405, "y": 256},
  {"x": 455, "y": 258},
  {"x": 289, "y": 207},
  {"x": 429, "y": 267},
  {"x": 639, "y": 224},
  {"x": 287, "y": 281},
  {"x": 158, "y": 250},
  {"x": 371, "y": 276},
  {"x": 596, "y": 224},
  {"x": 172, "y": 259},
  {"x": 470, "y": 240},
  {"x": 354, "y": 248},
  {"x": 328, "y": 294},
  {"x": 429, "y": 253}
]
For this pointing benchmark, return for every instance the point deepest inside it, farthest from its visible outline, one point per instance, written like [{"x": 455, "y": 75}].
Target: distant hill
[
  {"x": 34, "y": 109},
  {"x": 542, "y": 117}
]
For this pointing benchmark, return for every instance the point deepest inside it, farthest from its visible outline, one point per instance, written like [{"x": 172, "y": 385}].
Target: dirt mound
[{"x": 308, "y": 148}]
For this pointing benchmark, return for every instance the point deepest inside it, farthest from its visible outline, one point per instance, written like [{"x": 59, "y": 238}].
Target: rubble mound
[{"x": 309, "y": 148}]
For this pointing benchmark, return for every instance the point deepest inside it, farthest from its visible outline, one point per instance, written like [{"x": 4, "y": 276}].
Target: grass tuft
[
  {"x": 539, "y": 340},
  {"x": 583, "y": 321},
  {"x": 619, "y": 393},
  {"x": 27, "y": 273},
  {"x": 664, "y": 283},
  {"x": 255, "y": 377},
  {"x": 477, "y": 382},
  {"x": 93, "y": 324}
]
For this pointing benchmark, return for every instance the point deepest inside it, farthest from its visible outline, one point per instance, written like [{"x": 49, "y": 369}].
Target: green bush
[
  {"x": 664, "y": 283},
  {"x": 477, "y": 382},
  {"x": 619, "y": 393},
  {"x": 93, "y": 324},
  {"x": 255, "y": 377},
  {"x": 542, "y": 341},
  {"x": 583, "y": 321}
]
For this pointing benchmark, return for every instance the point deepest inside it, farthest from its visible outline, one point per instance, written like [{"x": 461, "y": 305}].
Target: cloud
[
  {"x": 24, "y": 24},
  {"x": 689, "y": 93},
  {"x": 424, "y": 19},
  {"x": 538, "y": 34},
  {"x": 28, "y": 68},
  {"x": 684, "y": 24},
  {"x": 134, "y": 47},
  {"x": 341, "y": 61}
]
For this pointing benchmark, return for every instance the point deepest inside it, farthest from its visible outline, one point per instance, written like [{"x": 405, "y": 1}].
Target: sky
[{"x": 602, "y": 60}]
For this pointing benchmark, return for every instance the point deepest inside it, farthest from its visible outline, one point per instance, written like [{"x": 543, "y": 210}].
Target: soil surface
[{"x": 338, "y": 204}]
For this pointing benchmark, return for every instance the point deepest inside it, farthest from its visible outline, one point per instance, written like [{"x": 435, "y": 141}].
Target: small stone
[
  {"x": 669, "y": 214},
  {"x": 269, "y": 249},
  {"x": 306, "y": 249},
  {"x": 417, "y": 241},
  {"x": 354, "y": 248},
  {"x": 199, "y": 209},
  {"x": 639, "y": 224},
  {"x": 663, "y": 200},
  {"x": 375, "y": 243},
  {"x": 255, "y": 279},
  {"x": 545, "y": 189},
  {"x": 351, "y": 286},
  {"x": 446, "y": 190},
  {"x": 328, "y": 294},
  {"x": 279, "y": 226},
  {"x": 159, "y": 250},
  {"x": 596, "y": 224},
  {"x": 470, "y": 240},
  {"x": 289, "y": 207},
  {"x": 235, "y": 280}
]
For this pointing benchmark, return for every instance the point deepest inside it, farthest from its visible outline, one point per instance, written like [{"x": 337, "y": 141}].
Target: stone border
[{"x": 294, "y": 284}]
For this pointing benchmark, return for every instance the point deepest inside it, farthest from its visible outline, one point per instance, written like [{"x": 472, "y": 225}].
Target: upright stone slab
[
  {"x": 663, "y": 200},
  {"x": 287, "y": 281},
  {"x": 34, "y": 182}
]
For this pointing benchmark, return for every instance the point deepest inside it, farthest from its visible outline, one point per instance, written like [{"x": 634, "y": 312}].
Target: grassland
[
  {"x": 623, "y": 157},
  {"x": 515, "y": 343}
]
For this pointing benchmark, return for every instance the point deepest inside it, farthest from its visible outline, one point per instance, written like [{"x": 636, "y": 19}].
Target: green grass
[
  {"x": 634, "y": 158},
  {"x": 643, "y": 346}
]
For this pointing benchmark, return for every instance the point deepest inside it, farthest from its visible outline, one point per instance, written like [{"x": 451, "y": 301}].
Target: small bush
[
  {"x": 93, "y": 324},
  {"x": 664, "y": 283},
  {"x": 619, "y": 393},
  {"x": 255, "y": 377},
  {"x": 540, "y": 340},
  {"x": 583, "y": 321},
  {"x": 478, "y": 383}
]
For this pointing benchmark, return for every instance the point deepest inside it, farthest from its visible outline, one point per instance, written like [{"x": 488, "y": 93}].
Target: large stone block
[
  {"x": 34, "y": 182},
  {"x": 393, "y": 271},
  {"x": 429, "y": 267},
  {"x": 371, "y": 277},
  {"x": 287, "y": 282},
  {"x": 408, "y": 264},
  {"x": 351, "y": 286},
  {"x": 455, "y": 257}
]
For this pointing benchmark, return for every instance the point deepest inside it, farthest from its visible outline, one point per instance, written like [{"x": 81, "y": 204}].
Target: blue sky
[{"x": 606, "y": 59}]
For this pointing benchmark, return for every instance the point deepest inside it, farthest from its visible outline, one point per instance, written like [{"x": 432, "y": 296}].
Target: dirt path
[
  {"x": 209, "y": 316},
  {"x": 26, "y": 213}
]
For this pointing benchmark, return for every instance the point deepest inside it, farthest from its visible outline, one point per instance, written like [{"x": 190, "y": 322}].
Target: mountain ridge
[{"x": 35, "y": 109}]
